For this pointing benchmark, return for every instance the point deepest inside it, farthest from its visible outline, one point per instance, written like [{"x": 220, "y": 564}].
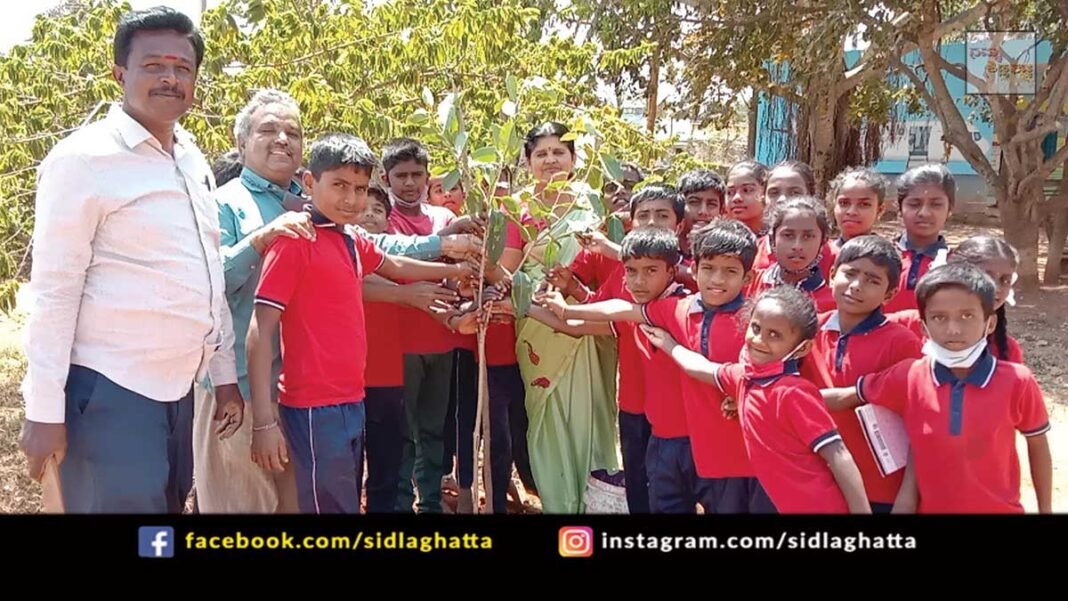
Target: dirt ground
[{"x": 1038, "y": 322}]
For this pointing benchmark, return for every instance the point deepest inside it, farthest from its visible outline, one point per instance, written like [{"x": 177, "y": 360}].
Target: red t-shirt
[
  {"x": 914, "y": 264},
  {"x": 785, "y": 423},
  {"x": 421, "y": 333},
  {"x": 318, "y": 286},
  {"x": 385, "y": 361},
  {"x": 815, "y": 286},
  {"x": 839, "y": 360},
  {"x": 963, "y": 433},
  {"x": 717, "y": 443},
  {"x": 630, "y": 389},
  {"x": 593, "y": 269}
]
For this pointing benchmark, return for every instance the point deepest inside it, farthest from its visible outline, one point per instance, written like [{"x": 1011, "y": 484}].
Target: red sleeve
[
  {"x": 803, "y": 408},
  {"x": 585, "y": 268},
  {"x": 729, "y": 378},
  {"x": 513, "y": 238},
  {"x": 1029, "y": 408},
  {"x": 661, "y": 312},
  {"x": 910, "y": 318},
  {"x": 1015, "y": 351},
  {"x": 283, "y": 266},
  {"x": 371, "y": 257},
  {"x": 823, "y": 299},
  {"x": 888, "y": 388},
  {"x": 905, "y": 345}
]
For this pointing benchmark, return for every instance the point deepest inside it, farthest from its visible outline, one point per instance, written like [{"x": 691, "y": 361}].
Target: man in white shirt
[{"x": 130, "y": 301}]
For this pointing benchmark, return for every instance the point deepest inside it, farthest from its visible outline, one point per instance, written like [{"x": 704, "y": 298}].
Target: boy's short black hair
[
  {"x": 651, "y": 243},
  {"x": 796, "y": 305},
  {"x": 227, "y": 166},
  {"x": 400, "y": 150},
  {"x": 159, "y": 18},
  {"x": 334, "y": 151},
  {"x": 725, "y": 237},
  {"x": 380, "y": 195},
  {"x": 658, "y": 192},
  {"x": 964, "y": 276},
  {"x": 699, "y": 180},
  {"x": 876, "y": 249}
]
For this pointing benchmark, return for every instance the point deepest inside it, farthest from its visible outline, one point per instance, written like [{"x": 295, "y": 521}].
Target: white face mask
[{"x": 951, "y": 359}]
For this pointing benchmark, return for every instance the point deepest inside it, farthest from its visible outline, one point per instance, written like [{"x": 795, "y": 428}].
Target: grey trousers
[{"x": 126, "y": 453}]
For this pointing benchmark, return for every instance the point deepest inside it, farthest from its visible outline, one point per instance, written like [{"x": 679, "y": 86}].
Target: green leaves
[
  {"x": 522, "y": 294},
  {"x": 495, "y": 236},
  {"x": 451, "y": 179},
  {"x": 613, "y": 167},
  {"x": 485, "y": 155},
  {"x": 616, "y": 231},
  {"x": 512, "y": 86}
]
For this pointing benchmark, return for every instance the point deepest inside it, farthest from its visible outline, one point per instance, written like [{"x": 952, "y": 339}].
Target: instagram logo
[{"x": 576, "y": 541}]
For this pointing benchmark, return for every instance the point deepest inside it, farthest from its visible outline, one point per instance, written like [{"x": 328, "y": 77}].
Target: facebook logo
[{"x": 155, "y": 541}]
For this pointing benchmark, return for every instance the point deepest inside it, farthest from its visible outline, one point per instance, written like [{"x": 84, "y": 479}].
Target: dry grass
[{"x": 18, "y": 494}]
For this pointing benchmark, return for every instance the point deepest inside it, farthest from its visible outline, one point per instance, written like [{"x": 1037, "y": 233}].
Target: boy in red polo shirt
[
  {"x": 428, "y": 345},
  {"x": 962, "y": 406},
  {"x": 792, "y": 442},
  {"x": 650, "y": 255},
  {"x": 384, "y": 379},
  {"x": 718, "y": 470},
  {"x": 856, "y": 340},
  {"x": 695, "y": 455},
  {"x": 313, "y": 290}
]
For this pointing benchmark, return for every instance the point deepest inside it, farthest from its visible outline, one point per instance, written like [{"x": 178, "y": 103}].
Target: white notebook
[{"x": 887, "y": 438}]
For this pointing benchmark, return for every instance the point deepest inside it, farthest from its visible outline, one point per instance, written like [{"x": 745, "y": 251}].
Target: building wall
[{"x": 919, "y": 136}]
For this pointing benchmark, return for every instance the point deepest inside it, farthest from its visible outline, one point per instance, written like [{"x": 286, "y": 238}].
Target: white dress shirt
[{"x": 126, "y": 278}]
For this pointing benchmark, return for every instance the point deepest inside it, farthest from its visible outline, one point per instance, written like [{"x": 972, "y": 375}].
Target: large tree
[
  {"x": 351, "y": 68},
  {"x": 1022, "y": 122}
]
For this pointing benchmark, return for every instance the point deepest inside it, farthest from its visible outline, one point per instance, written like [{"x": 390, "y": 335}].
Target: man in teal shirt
[{"x": 255, "y": 208}]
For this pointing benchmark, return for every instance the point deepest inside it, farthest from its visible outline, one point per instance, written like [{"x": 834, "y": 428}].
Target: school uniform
[
  {"x": 668, "y": 458},
  {"x": 765, "y": 257},
  {"x": 318, "y": 286},
  {"x": 963, "y": 431},
  {"x": 386, "y": 422},
  {"x": 428, "y": 365},
  {"x": 634, "y": 427},
  {"x": 726, "y": 482},
  {"x": 815, "y": 285},
  {"x": 785, "y": 423},
  {"x": 839, "y": 359},
  {"x": 915, "y": 262}
]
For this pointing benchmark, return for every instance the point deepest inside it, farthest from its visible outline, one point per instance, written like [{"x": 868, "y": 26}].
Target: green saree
[{"x": 570, "y": 394}]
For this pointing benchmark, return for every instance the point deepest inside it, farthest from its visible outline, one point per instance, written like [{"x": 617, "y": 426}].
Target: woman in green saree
[{"x": 570, "y": 382}]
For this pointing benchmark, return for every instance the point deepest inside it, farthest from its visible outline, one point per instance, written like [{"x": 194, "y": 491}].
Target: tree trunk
[
  {"x": 822, "y": 140},
  {"x": 1020, "y": 224},
  {"x": 652, "y": 92},
  {"x": 1058, "y": 218},
  {"x": 754, "y": 114}
]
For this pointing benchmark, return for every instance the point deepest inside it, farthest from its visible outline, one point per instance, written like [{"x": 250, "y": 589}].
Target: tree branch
[
  {"x": 1054, "y": 88},
  {"x": 1048, "y": 166},
  {"x": 942, "y": 104},
  {"x": 955, "y": 70},
  {"x": 1035, "y": 134}
]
